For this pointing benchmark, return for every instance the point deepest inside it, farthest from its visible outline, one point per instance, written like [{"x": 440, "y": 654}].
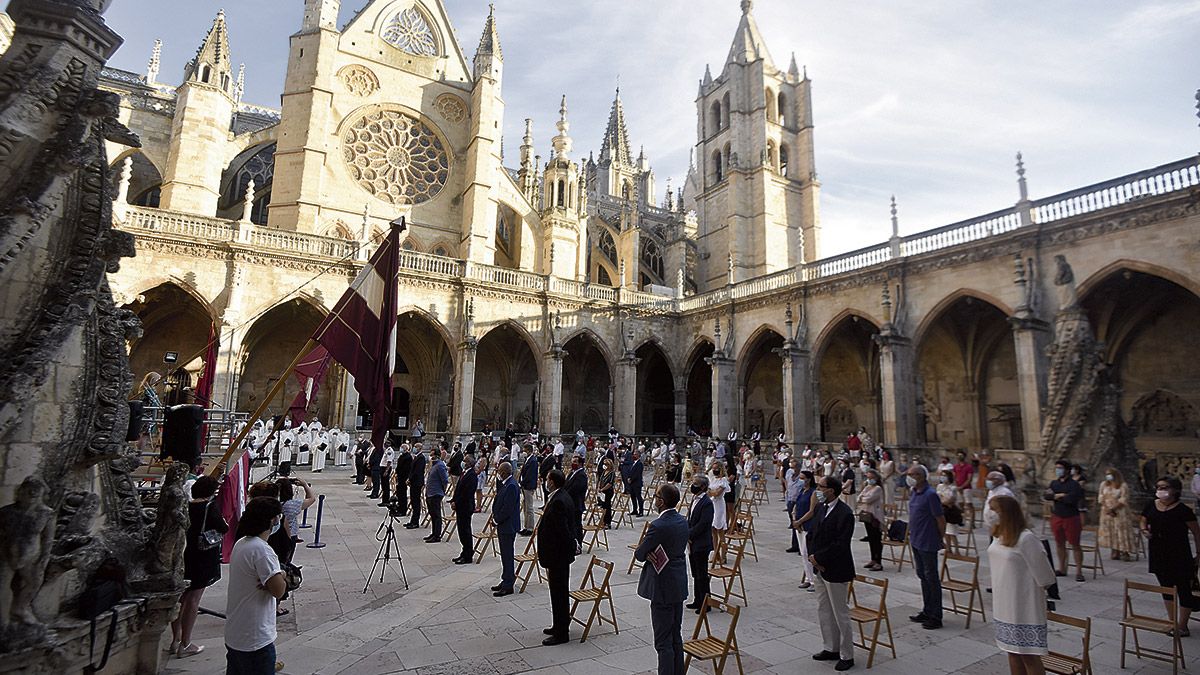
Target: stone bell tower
[{"x": 561, "y": 208}]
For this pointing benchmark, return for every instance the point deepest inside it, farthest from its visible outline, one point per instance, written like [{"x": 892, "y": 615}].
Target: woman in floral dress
[{"x": 1116, "y": 521}]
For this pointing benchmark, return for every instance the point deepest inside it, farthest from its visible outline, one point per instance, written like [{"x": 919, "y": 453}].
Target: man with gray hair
[
  {"x": 700, "y": 542},
  {"x": 926, "y": 532}
]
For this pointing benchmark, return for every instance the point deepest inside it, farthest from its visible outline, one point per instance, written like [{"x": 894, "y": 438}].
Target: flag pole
[{"x": 262, "y": 407}]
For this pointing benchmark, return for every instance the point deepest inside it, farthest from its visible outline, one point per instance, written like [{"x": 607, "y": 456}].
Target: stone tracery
[
  {"x": 409, "y": 32},
  {"x": 395, "y": 157}
]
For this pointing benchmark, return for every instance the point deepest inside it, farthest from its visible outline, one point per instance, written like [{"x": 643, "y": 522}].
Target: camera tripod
[{"x": 388, "y": 532}]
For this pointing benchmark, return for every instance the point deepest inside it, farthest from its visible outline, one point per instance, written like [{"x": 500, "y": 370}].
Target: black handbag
[{"x": 209, "y": 539}]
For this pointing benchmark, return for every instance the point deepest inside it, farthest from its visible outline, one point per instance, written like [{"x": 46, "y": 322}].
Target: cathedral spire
[
  {"x": 748, "y": 44},
  {"x": 488, "y": 57},
  {"x": 211, "y": 65},
  {"x": 562, "y": 142},
  {"x": 615, "y": 147},
  {"x": 153, "y": 65},
  {"x": 793, "y": 69}
]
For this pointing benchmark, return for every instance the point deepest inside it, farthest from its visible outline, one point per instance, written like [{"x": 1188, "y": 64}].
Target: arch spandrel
[{"x": 931, "y": 317}]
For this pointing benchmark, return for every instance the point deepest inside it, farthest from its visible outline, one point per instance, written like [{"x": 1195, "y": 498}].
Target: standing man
[
  {"x": 1065, "y": 495},
  {"x": 576, "y": 487},
  {"x": 416, "y": 486},
  {"x": 463, "y": 504},
  {"x": 506, "y": 513},
  {"x": 637, "y": 472},
  {"x": 435, "y": 491},
  {"x": 386, "y": 464},
  {"x": 374, "y": 468},
  {"x": 557, "y": 544},
  {"x": 664, "y": 578},
  {"x": 418, "y": 431},
  {"x": 829, "y": 553},
  {"x": 404, "y": 462},
  {"x": 529, "y": 481},
  {"x": 700, "y": 542},
  {"x": 926, "y": 532}
]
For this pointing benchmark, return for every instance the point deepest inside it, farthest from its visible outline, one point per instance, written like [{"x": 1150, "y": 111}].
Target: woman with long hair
[
  {"x": 1116, "y": 522},
  {"x": 1020, "y": 575},
  {"x": 718, "y": 487},
  {"x": 201, "y": 563}
]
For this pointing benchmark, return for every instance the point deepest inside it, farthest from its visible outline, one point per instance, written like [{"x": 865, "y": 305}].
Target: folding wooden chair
[
  {"x": 1065, "y": 664},
  {"x": 1134, "y": 621},
  {"x": 891, "y": 515},
  {"x": 964, "y": 541},
  {"x": 728, "y": 573},
  {"x": 633, "y": 561},
  {"x": 485, "y": 539},
  {"x": 449, "y": 524},
  {"x": 876, "y": 616},
  {"x": 620, "y": 510},
  {"x": 528, "y": 561},
  {"x": 1046, "y": 513},
  {"x": 594, "y": 525},
  {"x": 711, "y": 647},
  {"x": 743, "y": 530},
  {"x": 955, "y": 585},
  {"x": 594, "y": 593},
  {"x": 1089, "y": 543}
]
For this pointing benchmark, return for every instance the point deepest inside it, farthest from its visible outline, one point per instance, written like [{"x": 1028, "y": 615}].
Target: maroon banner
[
  {"x": 310, "y": 373},
  {"x": 204, "y": 387}
]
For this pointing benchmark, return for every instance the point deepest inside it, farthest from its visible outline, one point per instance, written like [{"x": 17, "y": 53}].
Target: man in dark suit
[
  {"x": 416, "y": 486},
  {"x": 506, "y": 514},
  {"x": 404, "y": 462},
  {"x": 576, "y": 487},
  {"x": 829, "y": 552},
  {"x": 528, "y": 485},
  {"x": 666, "y": 590},
  {"x": 637, "y": 472},
  {"x": 463, "y": 504},
  {"x": 544, "y": 468},
  {"x": 557, "y": 544},
  {"x": 700, "y": 542}
]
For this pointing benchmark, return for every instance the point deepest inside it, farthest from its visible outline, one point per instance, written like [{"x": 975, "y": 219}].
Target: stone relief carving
[
  {"x": 395, "y": 157},
  {"x": 409, "y": 32},
  {"x": 451, "y": 108},
  {"x": 359, "y": 80},
  {"x": 23, "y": 558},
  {"x": 166, "y": 544},
  {"x": 1163, "y": 413}
]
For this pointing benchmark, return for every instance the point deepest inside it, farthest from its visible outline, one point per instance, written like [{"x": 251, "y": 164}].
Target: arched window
[
  {"x": 718, "y": 169},
  {"x": 561, "y": 189},
  {"x": 771, "y": 155},
  {"x": 783, "y": 160},
  {"x": 716, "y": 116},
  {"x": 607, "y": 246},
  {"x": 503, "y": 233},
  {"x": 652, "y": 258},
  {"x": 205, "y": 73},
  {"x": 782, "y": 107},
  {"x": 727, "y": 108},
  {"x": 769, "y": 96},
  {"x": 440, "y": 250}
]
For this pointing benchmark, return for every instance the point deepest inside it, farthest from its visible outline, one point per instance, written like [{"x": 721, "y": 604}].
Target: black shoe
[
  {"x": 460, "y": 561},
  {"x": 548, "y": 631},
  {"x": 555, "y": 640},
  {"x": 411, "y": 526},
  {"x": 825, "y": 655},
  {"x": 844, "y": 664},
  {"x": 497, "y": 587},
  {"x": 919, "y": 617},
  {"x": 792, "y": 550},
  {"x": 382, "y": 505},
  {"x": 525, "y": 533},
  {"x": 1053, "y": 594},
  {"x": 692, "y": 605},
  {"x": 503, "y": 592},
  {"x": 1080, "y": 578},
  {"x": 863, "y": 539},
  {"x": 1059, "y": 574},
  {"x": 430, "y": 540},
  {"x": 931, "y": 625}
]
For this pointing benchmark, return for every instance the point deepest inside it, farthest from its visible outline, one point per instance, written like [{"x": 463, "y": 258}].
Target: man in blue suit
[
  {"x": 700, "y": 542},
  {"x": 636, "y": 475},
  {"x": 529, "y": 481},
  {"x": 506, "y": 510},
  {"x": 666, "y": 589},
  {"x": 463, "y": 505}
]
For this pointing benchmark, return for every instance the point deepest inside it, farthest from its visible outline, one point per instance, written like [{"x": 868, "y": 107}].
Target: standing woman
[
  {"x": 803, "y": 515},
  {"x": 1116, "y": 522},
  {"x": 718, "y": 487},
  {"x": 735, "y": 488},
  {"x": 951, "y": 497},
  {"x": 201, "y": 566},
  {"x": 604, "y": 485},
  {"x": 1020, "y": 575},
  {"x": 793, "y": 482},
  {"x": 870, "y": 512},
  {"x": 887, "y": 474},
  {"x": 1167, "y": 521}
]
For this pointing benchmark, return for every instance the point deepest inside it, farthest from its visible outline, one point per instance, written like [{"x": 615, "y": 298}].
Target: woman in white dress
[
  {"x": 718, "y": 485},
  {"x": 1020, "y": 575}
]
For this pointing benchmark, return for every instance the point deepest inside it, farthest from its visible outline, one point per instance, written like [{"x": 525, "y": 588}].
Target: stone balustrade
[{"x": 1176, "y": 176}]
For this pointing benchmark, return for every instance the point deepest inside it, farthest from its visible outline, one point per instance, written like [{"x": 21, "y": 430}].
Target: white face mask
[
  {"x": 1163, "y": 495},
  {"x": 990, "y": 518},
  {"x": 912, "y": 482},
  {"x": 871, "y": 481},
  {"x": 276, "y": 525},
  {"x": 1060, "y": 472},
  {"x": 1108, "y": 477},
  {"x": 943, "y": 479},
  {"x": 820, "y": 496},
  {"x": 989, "y": 484}
]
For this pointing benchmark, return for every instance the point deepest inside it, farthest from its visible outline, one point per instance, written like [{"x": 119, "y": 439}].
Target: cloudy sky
[{"x": 928, "y": 100}]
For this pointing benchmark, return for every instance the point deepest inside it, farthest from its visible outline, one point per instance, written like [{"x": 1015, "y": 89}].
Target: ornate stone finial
[
  {"x": 622, "y": 284},
  {"x": 747, "y": 5},
  {"x": 1018, "y": 269},
  {"x": 1021, "y": 185},
  {"x": 248, "y": 201},
  {"x": 562, "y": 142},
  {"x": 729, "y": 262},
  {"x": 886, "y": 303},
  {"x": 895, "y": 219},
  {"x": 558, "y": 319},
  {"x": 717, "y": 333},
  {"x": 680, "y": 281},
  {"x": 153, "y": 66},
  {"x": 239, "y": 87},
  {"x": 469, "y": 320},
  {"x": 787, "y": 321}
]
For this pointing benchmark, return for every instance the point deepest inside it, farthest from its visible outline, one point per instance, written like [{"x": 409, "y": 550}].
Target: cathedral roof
[
  {"x": 748, "y": 44},
  {"x": 214, "y": 50},
  {"x": 616, "y": 138},
  {"x": 489, "y": 42}
]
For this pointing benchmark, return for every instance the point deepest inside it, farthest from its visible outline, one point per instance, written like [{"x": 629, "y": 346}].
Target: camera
[{"x": 394, "y": 510}]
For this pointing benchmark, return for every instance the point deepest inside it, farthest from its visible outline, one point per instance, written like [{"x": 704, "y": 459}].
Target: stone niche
[{"x": 68, "y": 504}]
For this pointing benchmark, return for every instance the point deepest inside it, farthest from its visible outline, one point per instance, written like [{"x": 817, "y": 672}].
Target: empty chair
[
  {"x": 594, "y": 590},
  {"x": 876, "y": 616},
  {"x": 1065, "y": 664},
  {"x": 1134, "y": 621},
  {"x": 710, "y": 647}
]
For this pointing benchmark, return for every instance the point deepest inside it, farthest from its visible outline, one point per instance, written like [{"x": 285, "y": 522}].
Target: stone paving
[{"x": 447, "y": 622}]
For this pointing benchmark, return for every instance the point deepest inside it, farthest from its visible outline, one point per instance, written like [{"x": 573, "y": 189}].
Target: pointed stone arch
[
  {"x": 846, "y": 369},
  {"x": 421, "y": 383},
  {"x": 698, "y": 384},
  {"x": 939, "y": 309},
  {"x": 822, "y": 339},
  {"x": 508, "y": 369},
  {"x": 175, "y": 318},
  {"x": 587, "y": 383},
  {"x": 269, "y": 344},
  {"x": 760, "y": 381},
  {"x": 1087, "y": 286},
  {"x": 655, "y": 389}
]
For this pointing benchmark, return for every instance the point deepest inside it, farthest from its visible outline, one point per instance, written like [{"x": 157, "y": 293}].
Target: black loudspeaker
[
  {"x": 136, "y": 410},
  {"x": 182, "y": 434}
]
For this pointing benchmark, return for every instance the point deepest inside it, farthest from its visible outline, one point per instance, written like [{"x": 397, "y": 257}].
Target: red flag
[
  {"x": 360, "y": 332},
  {"x": 204, "y": 387},
  {"x": 311, "y": 373}
]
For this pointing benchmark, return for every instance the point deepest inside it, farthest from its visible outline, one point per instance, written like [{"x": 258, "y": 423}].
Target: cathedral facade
[{"x": 568, "y": 292}]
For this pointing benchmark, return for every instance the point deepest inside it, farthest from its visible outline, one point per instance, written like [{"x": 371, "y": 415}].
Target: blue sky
[{"x": 928, "y": 100}]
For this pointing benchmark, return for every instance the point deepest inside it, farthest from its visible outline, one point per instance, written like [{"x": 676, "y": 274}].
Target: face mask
[
  {"x": 1163, "y": 495},
  {"x": 910, "y": 481},
  {"x": 989, "y": 484},
  {"x": 1108, "y": 477},
  {"x": 275, "y": 526},
  {"x": 942, "y": 479},
  {"x": 863, "y": 466},
  {"x": 696, "y": 489},
  {"x": 821, "y": 497},
  {"x": 871, "y": 481},
  {"x": 1060, "y": 472},
  {"x": 990, "y": 518}
]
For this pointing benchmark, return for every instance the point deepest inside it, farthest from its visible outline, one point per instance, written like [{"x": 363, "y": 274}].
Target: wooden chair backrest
[
  {"x": 880, "y": 584},
  {"x": 1146, "y": 588},
  {"x": 1084, "y": 625},
  {"x": 732, "y": 610},
  {"x": 947, "y": 572},
  {"x": 589, "y": 578}
]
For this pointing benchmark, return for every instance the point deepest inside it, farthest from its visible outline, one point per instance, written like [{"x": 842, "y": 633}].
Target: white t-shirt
[{"x": 250, "y": 610}]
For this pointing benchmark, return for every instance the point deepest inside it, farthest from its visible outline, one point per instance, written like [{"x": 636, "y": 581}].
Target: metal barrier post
[{"x": 317, "y": 543}]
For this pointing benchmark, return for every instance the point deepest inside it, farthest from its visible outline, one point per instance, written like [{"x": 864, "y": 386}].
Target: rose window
[
  {"x": 409, "y": 32},
  {"x": 395, "y": 157}
]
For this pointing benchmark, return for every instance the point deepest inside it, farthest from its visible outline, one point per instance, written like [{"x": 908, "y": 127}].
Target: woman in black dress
[
  {"x": 605, "y": 485},
  {"x": 201, "y": 566},
  {"x": 1166, "y": 521}
]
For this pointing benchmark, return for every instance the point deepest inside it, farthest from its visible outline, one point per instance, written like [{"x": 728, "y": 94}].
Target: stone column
[
  {"x": 464, "y": 391},
  {"x": 724, "y": 394},
  {"x": 899, "y": 388},
  {"x": 1031, "y": 336},
  {"x": 797, "y": 394},
  {"x": 680, "y": 409},
  {"x": 625, "y": 394},
  {"x": 550, "y": 392}
]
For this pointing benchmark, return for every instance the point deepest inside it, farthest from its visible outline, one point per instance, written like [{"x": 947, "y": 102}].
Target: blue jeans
[
  {"x": 260, "y": 662},
  {"x": 926, "y": 563},
  {"x": 508, "y": 575}
]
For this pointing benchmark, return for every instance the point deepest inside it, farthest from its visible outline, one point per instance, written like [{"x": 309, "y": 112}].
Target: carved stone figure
[
  {"x": 26, "y": 538},
  {"x": 1064, "y": 282},
  {"x": 170, "y": 526}
]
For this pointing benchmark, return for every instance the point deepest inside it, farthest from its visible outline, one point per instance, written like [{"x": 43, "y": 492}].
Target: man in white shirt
[
  {"x": 997, "y": 486},
  {"x": 385, "y": 473},
  {"x": 559, "y": 448},
  {"x": 256, "y": 583}
]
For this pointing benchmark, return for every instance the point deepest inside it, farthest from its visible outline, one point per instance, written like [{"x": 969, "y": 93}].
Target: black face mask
[{"x": 696, "y": 489}]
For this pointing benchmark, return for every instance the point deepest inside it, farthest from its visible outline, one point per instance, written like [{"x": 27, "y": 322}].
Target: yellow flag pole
[{"x": 262, "y": 408}]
